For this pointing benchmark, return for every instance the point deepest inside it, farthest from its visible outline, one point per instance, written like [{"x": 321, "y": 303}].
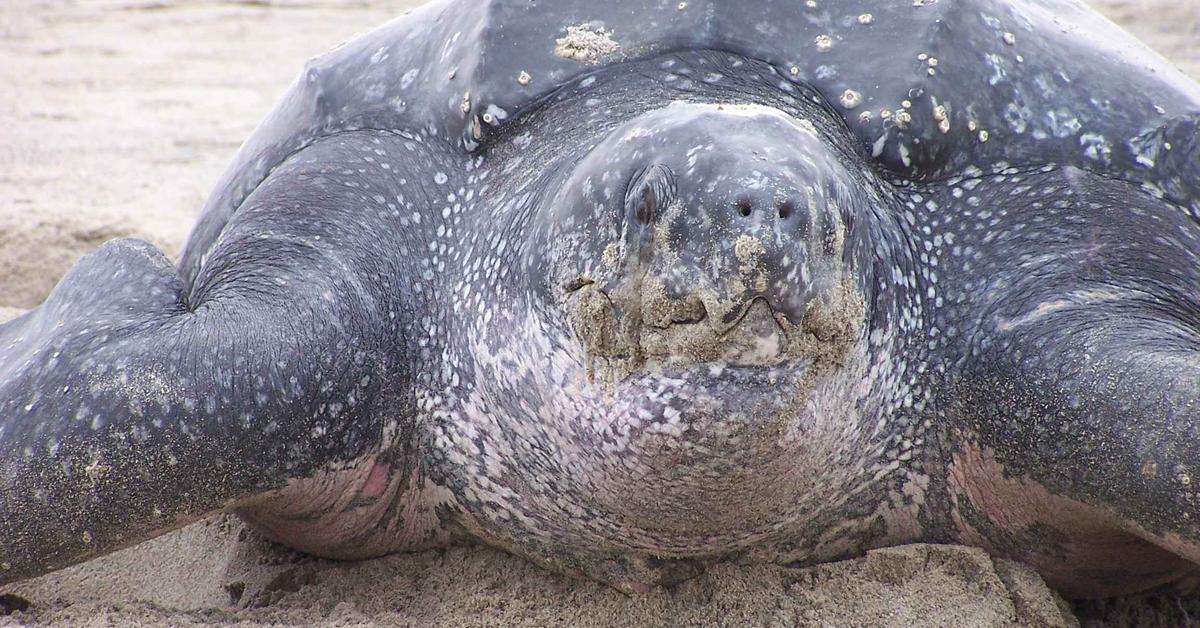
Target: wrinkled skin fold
[{"x": 656, "y": 304}]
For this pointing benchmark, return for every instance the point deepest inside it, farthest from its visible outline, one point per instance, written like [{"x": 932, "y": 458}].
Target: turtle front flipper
[
  {"x": 131, "y": 404},
  {"x": 1070, "y": 343}
]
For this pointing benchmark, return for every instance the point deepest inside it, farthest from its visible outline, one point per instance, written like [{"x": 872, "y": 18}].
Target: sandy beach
[{"x": 116, "y": 119}]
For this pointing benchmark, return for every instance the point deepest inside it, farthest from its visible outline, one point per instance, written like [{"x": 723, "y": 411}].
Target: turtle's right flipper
[{"x": 130, "y": 406}]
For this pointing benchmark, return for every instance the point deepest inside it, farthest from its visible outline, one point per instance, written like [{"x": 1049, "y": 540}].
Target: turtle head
[{"x": 724, "y": 235}]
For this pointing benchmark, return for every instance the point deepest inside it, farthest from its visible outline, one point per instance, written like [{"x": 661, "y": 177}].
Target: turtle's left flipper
[{"x": 1074, "y": 403}]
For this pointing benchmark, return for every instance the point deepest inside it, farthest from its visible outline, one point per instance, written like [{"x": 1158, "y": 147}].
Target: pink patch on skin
[
  {"x": 1102, "y": 554},
  {"x": 377, "y": 480}
]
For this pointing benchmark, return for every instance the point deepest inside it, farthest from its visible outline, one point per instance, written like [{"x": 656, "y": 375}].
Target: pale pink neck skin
[
  {"x": 1084, "y": 551},
  {"x": 365, "y": 510},
  {"x": 376, "y": 482}
]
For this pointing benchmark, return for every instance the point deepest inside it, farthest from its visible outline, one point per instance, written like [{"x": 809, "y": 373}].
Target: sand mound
[{"x": 218, "y": 570}]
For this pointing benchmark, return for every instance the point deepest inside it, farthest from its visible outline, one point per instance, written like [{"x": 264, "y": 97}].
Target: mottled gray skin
[{"x": 627, "y": 288}]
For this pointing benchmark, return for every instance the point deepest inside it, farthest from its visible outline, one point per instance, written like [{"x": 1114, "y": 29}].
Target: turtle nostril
[
  {"x": 785, "y": 209},
  {"x": 743, "y": 207}
]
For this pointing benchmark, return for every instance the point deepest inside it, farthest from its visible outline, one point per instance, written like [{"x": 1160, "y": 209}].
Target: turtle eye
[{"x": 649, "y": 192}]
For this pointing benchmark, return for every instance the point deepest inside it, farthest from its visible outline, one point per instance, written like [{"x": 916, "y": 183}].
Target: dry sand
[{"x": 116, "y": 118}]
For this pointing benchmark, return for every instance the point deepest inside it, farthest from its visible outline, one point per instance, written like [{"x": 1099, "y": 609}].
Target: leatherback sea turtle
[{"x": 629, "y": 287}]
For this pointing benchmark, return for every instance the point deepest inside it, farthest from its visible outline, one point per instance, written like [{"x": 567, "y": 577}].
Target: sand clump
[{"x": 586, "y": 44}]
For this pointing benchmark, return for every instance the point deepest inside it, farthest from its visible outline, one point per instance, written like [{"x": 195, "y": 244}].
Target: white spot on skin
[
  {"x": 866, "y": 18},
  {"x": 408, "y": 78},
  {"x": 523, "y": 78},
  {"x": 823, "y": 43},
  {"x": 877, "y": 147}
]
